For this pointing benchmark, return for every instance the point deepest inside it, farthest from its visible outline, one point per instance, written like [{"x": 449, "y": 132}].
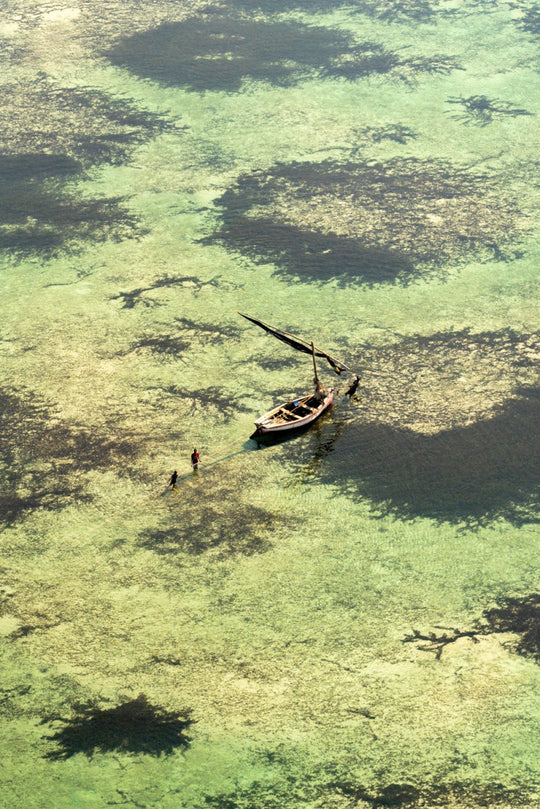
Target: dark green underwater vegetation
[
  {"x": 465, "y": 475},
  {"x": 134, "y": 726},
  {"x": 40, "y": 213},
  {"x": 465, "y": 456},
  {"x": 391, "y": 10},
  {"x": 44, "y": 118},
  {"x": 339, "y": 788},
  {"x": 481, "y": 110},
  {"x": 138, "y": 297},
  {"x": 44, "y": 459},
  {"x": 519, "y": 616},
  {"x": 397, "y": 220},
  {"x": 52, "y": 137},
  {"x": 219, "y": 53}
]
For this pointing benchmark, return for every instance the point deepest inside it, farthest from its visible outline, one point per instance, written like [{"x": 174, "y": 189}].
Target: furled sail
[{"x": 298, "y": 343}]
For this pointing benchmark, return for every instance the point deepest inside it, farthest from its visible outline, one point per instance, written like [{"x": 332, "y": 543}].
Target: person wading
[{"x": 353, "y": 388}]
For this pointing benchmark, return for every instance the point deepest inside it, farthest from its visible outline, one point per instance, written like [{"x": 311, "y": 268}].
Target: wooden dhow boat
[{"x": 296, "y": 414}]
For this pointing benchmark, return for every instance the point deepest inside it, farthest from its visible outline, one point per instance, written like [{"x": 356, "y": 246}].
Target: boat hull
[{"x": 293, "y": 416}]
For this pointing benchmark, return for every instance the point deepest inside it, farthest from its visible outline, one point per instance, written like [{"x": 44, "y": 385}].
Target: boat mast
[{"x": 318, "y": 384}]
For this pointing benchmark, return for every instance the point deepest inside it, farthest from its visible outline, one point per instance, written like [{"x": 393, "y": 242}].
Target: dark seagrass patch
[
  {"x": 219, "y": 52},
  {"x": 365, "y": 221},
  {"x": 43, "y": 459},
  {"x": 134, "y": 726},
  {"x": 443, "y": 426}
]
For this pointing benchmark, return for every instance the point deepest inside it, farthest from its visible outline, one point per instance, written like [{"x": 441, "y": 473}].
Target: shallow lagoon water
[{"x": 347, "y": 619}]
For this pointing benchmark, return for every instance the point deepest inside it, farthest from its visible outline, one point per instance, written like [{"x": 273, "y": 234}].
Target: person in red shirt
[{"x": 195, "y": 459}]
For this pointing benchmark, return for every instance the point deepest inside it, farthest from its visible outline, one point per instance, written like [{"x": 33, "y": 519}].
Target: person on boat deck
[
  {"x": 174, "y": 478},
  {"x": 195, "y": 459},
  {"x": 319, "y": 391}
]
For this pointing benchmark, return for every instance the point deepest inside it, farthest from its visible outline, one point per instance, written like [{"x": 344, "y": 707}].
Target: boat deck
[{"x": 293, "y": 412}]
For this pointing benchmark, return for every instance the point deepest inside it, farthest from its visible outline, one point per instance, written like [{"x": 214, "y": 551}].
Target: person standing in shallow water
[
  {"x": 353, "y": 388},
  {"x": 174, "y": 478},
  {"x": 195, "y": 460}
]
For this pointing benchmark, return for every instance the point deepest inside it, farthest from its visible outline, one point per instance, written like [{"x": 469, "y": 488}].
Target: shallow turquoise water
[{"x": 362, "y": 175}]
